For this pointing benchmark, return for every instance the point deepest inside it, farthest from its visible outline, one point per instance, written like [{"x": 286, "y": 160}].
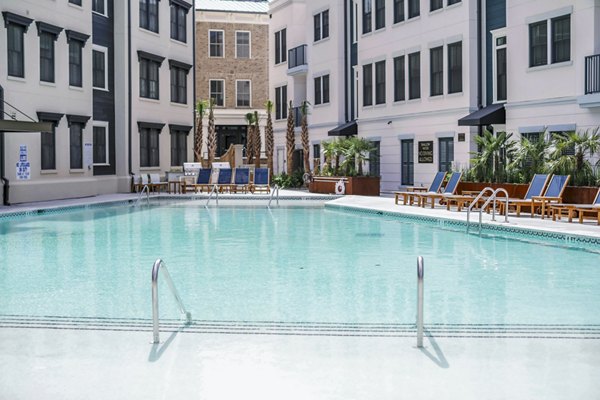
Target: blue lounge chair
[
  {"x": 552, "y": 194},
  {"x": 558, "y": 210},
  {"x": 262, "y": 181},
  {"x": 409, "y": 195},
  {"x": 202, "y": 182},
  {"x": 241, "y": 180},
  {"x": 224, "y": 179},
  {"x": 450, "y": 188}
]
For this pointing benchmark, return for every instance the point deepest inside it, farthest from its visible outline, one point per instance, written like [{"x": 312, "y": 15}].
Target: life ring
[{"x": 340, "y": 187}]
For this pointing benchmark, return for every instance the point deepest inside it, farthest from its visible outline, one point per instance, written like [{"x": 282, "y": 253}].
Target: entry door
[
  {"x": 446, "y": 154},
  {"x": 407, "y": 162}
]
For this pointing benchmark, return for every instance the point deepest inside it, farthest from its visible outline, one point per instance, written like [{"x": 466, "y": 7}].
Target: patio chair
[
  {"x": 202, "y": 181},
  {"x": 224, "y": 179},
  {"x": 553, "y": 193},
  {"x": 155, "y": 183},
  {"x": 449, "y": 189},
  {"x": 558, "y": 210},
  {"x": 262, "y": 182},
  {"x": 409, "y": 195},
  {"x": 241, "y": 180},
  {"x": 139, "y": 181}
]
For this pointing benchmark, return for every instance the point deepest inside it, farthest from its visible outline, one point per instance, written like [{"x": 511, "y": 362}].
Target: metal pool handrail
[
  {"x": 420, "y": 275},
  {"x": 494, "y": 197},
  {"x": 474, "y": 203},
  {"x": 214, "y": 190},
  {"x": 275, "y": 190},
  {"x": 155, "y": 323},
  {"x": 147, "y": 190}
]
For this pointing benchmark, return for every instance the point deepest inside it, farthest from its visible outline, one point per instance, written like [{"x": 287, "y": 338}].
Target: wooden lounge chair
[
  {"x": 241, "y": 180},
  {"x": 449, "y": 189},
  {"x": 553, "y": 193},
  {"x": 155, "y": 183},
  {"x": 536, "y": 188},
  {"x": 224, "y": 180},
  {"x": 139, "y": 181},
  {"x": 262, "y": 182},
  {"x": 558, "y": 210},
  {"x": 202, "y": 181},
  {"x": 409, "y": 195}
]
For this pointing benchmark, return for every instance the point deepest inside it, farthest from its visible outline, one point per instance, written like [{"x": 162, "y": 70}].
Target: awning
[
  {"x": 492, "y": 114},
  {"x": 347, "y": 129},
  {"x": 8, "y": 125}
]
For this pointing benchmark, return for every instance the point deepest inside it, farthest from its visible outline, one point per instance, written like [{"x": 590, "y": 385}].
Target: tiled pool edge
[{"x": 566, "y": 238}]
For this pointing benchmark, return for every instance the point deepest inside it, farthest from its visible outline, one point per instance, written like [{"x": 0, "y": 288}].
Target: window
[
  {"x": 450, "y": 2},
  {"x": 558, "y": 135},
  {"x": 322, "y": 89},
  {"x": 100, "y": 143},
  {"x": 398, "y": 11},
  {"x": 217, "y": 92},
  {"x": 76, "y": 42},
  {"x": 316, "y": 156},
  {"x": 47, "y": 57},
  {"x": 179, "y": 73},
  {"x": 436, "y": 4},
  {"x": 242, "y": 44},
  {"x": 379, "y": 14},
  {"x": 367, "y": 85},
  {"x": 280, "y": 47},
  {"x": 281, "y": 102},
  {"x": 242, "y": 93},
  {"x": 399, "y": 79},
  {"x": 99, "y": 6},
  {"x": 380, "y": 82},
  {"x": 216, "y": 44},
  {"x": 16, "y": 51},
  {"x": 179, "y": 21},
  {"x": 414, "y": 9},
  {"x": 446, "y": 154},
  {"x": 500, "y": 83},
  {"x": 455, "y": 67},
  {"x": 76, "y": 2},
  {"x": 49, "y": 147},
  {"x": 75, "y": 145},
  {"x": 436, "y": 69},
  {"x": 149, "y": 144},
  {"x": 99, "y": 67},
  {"x": 407, "y": 162},
  {"x": 532, "y": 136},
  {"x": 149, "y": 74},
  {"x": 321, "y": 25},
  {"x": 178, "y": 146},
  {"x": 561, "y": 39},
  {"x": 366, "y": 16},
  {"x": 149, "y": 15},
  {"x": 538, "y": 44},
  {"x": 374, "y": 156},
  {"x": 414, "y": 76}
]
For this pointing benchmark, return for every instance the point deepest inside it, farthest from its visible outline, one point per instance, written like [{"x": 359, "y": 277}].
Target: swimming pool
[{"x": 293, "y": 267}]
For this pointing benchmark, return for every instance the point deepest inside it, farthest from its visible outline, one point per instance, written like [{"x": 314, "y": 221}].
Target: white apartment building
[
  {"x": 109, "y": 76},
  {"x": 422, "y": 78}
]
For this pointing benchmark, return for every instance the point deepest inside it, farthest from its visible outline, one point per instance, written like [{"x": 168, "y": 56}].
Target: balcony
[
  {"x": 297, "y": 62},
  {"x": 591, "y": 98}
]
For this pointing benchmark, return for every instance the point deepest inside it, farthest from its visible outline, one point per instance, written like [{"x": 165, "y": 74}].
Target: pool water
[{"x": 288, "y": 265}]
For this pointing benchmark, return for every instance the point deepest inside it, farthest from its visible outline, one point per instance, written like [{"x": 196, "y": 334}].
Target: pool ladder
[
  {"x": 493, "y": 197},
  {"x": 147, "y": 190},
  {"x": 155, "y": 323},
  {"x": 274, "y": 192},
  {"x": 215, "y": 191}
]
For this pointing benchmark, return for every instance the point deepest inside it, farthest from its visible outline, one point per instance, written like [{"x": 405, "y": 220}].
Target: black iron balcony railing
[
  {"x": 297, "y": 56},
  {"x": 592, "y": 74}
]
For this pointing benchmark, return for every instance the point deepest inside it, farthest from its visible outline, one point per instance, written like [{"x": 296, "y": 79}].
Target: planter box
[
  {"x": 572, "y": 194},
  {"x": 356, "y": 185}
]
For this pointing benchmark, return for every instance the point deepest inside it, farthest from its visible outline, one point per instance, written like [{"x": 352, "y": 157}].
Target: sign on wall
[
  {"x": 88, "y": 155},
  {"x": 426, "y": 152},
  {"x": 23, "y": 166}
]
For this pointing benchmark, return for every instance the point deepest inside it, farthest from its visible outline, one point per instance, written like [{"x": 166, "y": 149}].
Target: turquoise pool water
[{"x": 287, "y": 264}]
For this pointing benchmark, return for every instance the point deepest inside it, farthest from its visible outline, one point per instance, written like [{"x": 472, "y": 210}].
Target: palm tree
[
  {"x": 530, "y": 159},
  {"x": 355, "y": 151},
  {"x": 211, "y": 139},
  {"x": 250, "y": 138},
  {"x": 496, "y": 150},
  {"x": 257, "y": 141},
  {"x": 290, "y": 140},
  {"x": 269, "y": 139},
  {"x": 200, "y": 112},
  {"x": 328, "y": 150},
  {"x": 304, "y": 135},
  {"x": 570, "y": 154}
]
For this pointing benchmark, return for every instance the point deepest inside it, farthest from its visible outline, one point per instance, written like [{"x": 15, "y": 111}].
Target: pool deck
[{"x": 76, "y": 362}]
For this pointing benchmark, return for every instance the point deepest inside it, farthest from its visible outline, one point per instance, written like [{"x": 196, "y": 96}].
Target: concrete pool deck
[{"x": 45, "y": 360}]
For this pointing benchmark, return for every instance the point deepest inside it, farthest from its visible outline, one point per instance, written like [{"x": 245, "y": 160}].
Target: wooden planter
[
  {"x": 356, "y": 185},
  {"x": 571, "y": 195}
]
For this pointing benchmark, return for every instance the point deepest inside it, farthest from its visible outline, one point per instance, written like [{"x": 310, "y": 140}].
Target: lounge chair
[
  {"x": 262, "y": 181},
  {"x": 410, "y": 195},
  {"x": 139, "y": 181},
  {"x": 536, "y": 188},
  {"x": 553, "y": 193},
  {"x": 224, "y": 180},
  {"x": 558, "y": 210},
  {"x": 241, "y": 180},
  {"x": 449, "y": 189},
  {"x": 202, "y": 181},
  {"x": 155, "y": 183}
]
